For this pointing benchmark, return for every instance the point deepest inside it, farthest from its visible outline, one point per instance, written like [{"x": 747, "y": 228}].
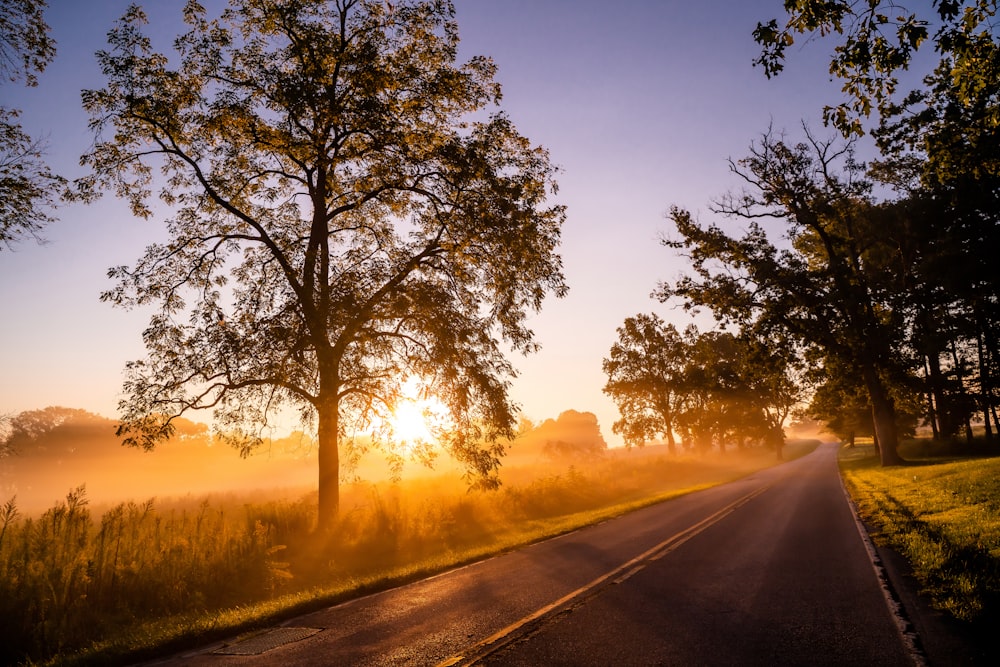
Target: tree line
[
  {"x": 880, "y": 277},
  {"x": 709, "y": 388}
]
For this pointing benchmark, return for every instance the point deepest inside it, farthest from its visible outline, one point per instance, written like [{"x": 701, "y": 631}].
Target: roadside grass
[
  {"x": 942, "y": 513},
  {"x": 146, "y": 579}
]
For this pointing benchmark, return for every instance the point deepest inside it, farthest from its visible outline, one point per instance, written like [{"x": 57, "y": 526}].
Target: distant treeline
[{"x": 44, "y": 452}]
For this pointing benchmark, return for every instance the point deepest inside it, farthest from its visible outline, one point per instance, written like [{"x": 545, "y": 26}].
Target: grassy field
[
  {"x": 146, "y": 578},
  {"x": 942, "y": 513}
]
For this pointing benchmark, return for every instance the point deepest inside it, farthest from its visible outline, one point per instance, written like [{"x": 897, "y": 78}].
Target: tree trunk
[
  {"x": 778, "y": 439},
  {"x": 671, "y": 444},
  {"x": 962, "y": 393},
  {"x": 329, "y": 465},
  {"x": 932, "y": 415},
  {"x": 945, "y": 423},
  {"x": 996, "y": 418},
  {"x": 985, "y": 382},
  {"x": 883, "y": 419}
]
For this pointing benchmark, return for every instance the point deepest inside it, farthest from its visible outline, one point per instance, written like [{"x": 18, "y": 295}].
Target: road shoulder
[{"x": 945, "y": 640}]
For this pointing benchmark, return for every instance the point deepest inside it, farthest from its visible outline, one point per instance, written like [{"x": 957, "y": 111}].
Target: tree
[
  {"x": 343, "y": 222},
  {"x": 830, "y": 287},
  {"x": 771, "y": 369},
  {"x": 28, "y": 189},
  {"x": 948, "y": 139},
  {"x": 572, "y": 435},
  {"x": 6, "y": 431},
  {"x": 738, "y": 389},
  {"x": 877, "y": 40},
  {"x": 939, "y": 145},
  {"x": 839, "y": 399},
  {"x": 645, "y": 372},
  {"x": 711, "y": 388}
]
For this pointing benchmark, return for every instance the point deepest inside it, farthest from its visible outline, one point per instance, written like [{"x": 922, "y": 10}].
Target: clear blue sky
[{"x": 639, "y": 101}]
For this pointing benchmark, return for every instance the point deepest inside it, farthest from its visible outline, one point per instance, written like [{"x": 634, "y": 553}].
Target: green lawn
[{"x": 943, "y": 515}]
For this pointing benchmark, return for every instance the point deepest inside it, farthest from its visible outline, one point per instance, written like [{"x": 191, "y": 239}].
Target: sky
[{"x": 639, "y": 102}]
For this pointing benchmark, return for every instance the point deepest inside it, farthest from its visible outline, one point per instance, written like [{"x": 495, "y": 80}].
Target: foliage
[
  {"x": 25, "y": 45},
  {"x": 572, "y": 435},
  {"x": 28, "y": 189},
  {"x": 833, "y": 284},
  {"x": 840, "y": 402},
  {"x": 938, "y": 147},
  {"x": 126, "y": 585},
  {"x": 28, "y": 427},
  {"x": 876, "y": 41},
  {"x": 712, "y": 388},
  {"x": 6, "y": 429},
  {"x": 943, "y": 515},
  {"x": 645, "y": 370},
  {"x": 347, "y": 216}
]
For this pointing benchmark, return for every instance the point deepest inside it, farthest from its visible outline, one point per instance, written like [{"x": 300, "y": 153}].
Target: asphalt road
[{"x": 769, "y": 570}]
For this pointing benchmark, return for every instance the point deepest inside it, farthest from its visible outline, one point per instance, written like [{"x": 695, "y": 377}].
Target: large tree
[
  {"x": 645, "y": 369},
  {"x": 939, "y": 145},
  {"x": 348, "y": 216},
  {"x": 827, "y": 284},
  {"x": 947, "y": 139},
  {"x": 28, "y": 188}
]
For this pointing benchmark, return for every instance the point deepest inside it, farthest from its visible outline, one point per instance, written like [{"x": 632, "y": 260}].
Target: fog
[{"x": 57, "y": 449}]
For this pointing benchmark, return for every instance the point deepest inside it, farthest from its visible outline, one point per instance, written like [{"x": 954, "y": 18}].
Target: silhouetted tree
[
  {"x": 737, "y": 390},
  {"x": 645, "y": 372},
  {"x": 946, "y": 138},
  {"x": 939, "y": 146},
  {"x": 712, "y": 388},
  {"x": 772, "y": 370},
  {"x": 342, "y": 222},
  {"x": 878, "y": 39},
  {"x": 821, "y": 290},
  {"x": 28, "y": 189}
]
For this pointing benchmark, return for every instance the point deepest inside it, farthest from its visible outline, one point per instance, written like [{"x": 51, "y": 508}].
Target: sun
[
  {"x": 409, "y": 424},
  {"x": 417, "y": 415}
]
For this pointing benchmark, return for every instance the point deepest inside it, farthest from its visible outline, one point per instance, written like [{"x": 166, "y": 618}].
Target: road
[{"x": 769, "y": 570}]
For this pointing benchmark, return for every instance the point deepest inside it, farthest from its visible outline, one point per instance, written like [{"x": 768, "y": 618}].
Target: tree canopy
[
  {"x": 938, "y": 152},
  {"x": 28, "y": 188},
  {"x": 878, "y": 39},
  {"x": 711, "y": 388},
  {"x": 350, "y": 211},
  {"x": 830, "y": 286}
]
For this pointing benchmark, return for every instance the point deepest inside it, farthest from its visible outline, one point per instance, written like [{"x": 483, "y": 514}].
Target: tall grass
[
  {"x": 943, "y": 514},
  {"x": 143, "y": 575},
  {"x": 66, "y": 578}
]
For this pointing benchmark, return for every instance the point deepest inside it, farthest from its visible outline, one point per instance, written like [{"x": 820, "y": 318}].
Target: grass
[
  {"x": 942, "y": 513},
  {"x": 149, "y": 578}
]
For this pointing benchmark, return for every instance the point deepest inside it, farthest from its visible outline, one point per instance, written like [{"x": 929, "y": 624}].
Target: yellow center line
[{"x": 506, "y": 635}]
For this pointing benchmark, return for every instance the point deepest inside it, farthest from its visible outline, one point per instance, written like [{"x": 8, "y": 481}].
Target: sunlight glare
[{"x": 417, "y": 415}]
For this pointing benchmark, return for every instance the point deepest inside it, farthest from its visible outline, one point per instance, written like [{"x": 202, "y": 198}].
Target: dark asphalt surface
[{"x": 769, "y": 570}]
